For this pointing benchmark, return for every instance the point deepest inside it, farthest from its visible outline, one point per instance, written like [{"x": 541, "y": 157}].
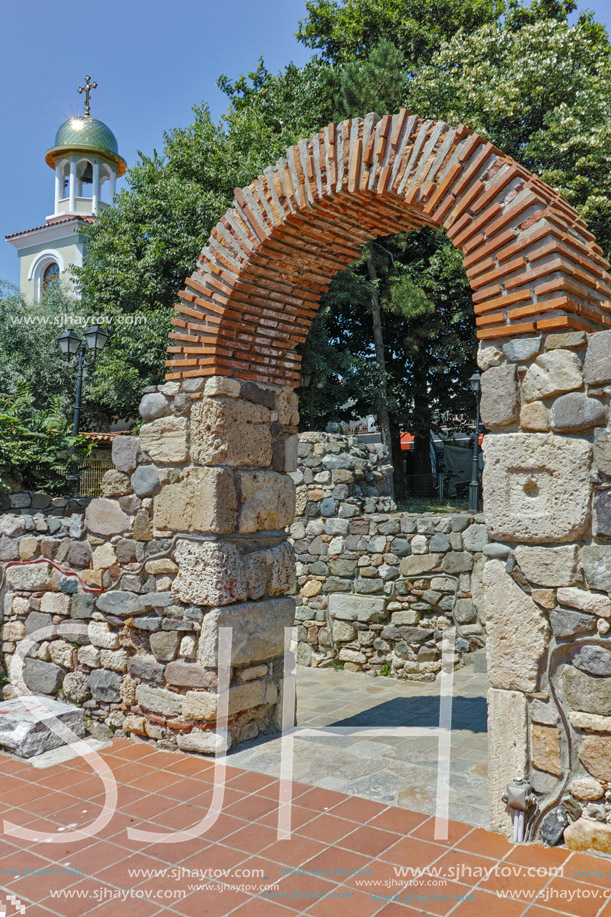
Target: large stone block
[
  {"x": 268, "y": 501},
  {"x": 204, "y": 501},
  {"x": 258, "y": 631},
  {"x": 586, "y": 693},
  {"x": 364, "y": 608},
  {"x": 536, "y": 487},
  {"x": 517, "y": 629},
  {"x": 543, "y": 566},
  {"x": 597, "y": 366},
  {"x": 229, "y": 431},
  {"x": 552, "y": 373},
  {"x": 500, "y": 403},
  {"x": 165, "y": 440},
  {"x": 25, "y": 733},
  {"x": 105, "y": 517},
  {"x": 270, "y": 572},
  {"x": 209, "y": 573},
  {"x": 507, "y": 750}
]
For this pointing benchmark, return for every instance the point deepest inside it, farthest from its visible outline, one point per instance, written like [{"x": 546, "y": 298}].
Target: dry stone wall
[
  {"x": 377, "y": 588},
  {"x": 189, "y": 536}
]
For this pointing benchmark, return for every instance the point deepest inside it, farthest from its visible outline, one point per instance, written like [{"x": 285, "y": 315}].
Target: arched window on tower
[
  {"x": 84, "y": 178},
  {"x": 50, "y": 278}
]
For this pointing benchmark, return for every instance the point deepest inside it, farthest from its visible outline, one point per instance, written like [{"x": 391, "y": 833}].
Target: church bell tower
[{"x": 86, "y": 161}]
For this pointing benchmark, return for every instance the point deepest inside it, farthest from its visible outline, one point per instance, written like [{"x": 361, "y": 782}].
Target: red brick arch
[{"x": 531, "y": 261}]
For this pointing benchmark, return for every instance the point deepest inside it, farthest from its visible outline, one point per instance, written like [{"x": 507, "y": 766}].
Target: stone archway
[{"x": 540, "y": 291}]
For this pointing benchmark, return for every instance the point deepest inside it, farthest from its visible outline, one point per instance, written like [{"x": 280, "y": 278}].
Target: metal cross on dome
[{"x": 87, "y": 90}]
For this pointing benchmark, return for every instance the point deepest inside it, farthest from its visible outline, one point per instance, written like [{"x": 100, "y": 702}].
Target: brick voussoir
[{"x": 259, "y": 280}]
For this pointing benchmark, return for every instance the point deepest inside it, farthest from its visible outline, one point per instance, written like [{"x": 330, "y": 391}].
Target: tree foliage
[{"x": 37, "y": 448}]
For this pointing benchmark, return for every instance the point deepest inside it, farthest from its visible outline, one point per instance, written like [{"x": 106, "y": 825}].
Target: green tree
[
  {"x": 346, "y": 30},
  {"x": 36, "y": 446},
  {"x": 542, "y": 94}
]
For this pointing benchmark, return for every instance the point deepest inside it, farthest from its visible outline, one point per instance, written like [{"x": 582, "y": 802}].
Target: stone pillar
[
  {"x": 211, "y": 501},
  {"x": 547, "y": 481}
]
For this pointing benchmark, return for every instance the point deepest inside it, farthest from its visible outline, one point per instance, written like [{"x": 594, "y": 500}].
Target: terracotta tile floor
[{"x": 346, "y": 856}]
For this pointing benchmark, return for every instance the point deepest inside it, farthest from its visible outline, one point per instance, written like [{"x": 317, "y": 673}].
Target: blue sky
[{"x": 152, "y": 59}]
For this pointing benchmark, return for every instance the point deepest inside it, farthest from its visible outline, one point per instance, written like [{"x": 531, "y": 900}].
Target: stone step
[{"x": 27, "y": 732}]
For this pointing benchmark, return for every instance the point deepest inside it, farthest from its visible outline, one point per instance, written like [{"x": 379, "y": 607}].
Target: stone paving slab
[{"x": 394, "y": 770}]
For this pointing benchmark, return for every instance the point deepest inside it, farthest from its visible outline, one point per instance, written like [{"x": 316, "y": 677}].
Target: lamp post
[
  {"x": 474, "y": 382},
  {"x": 85, "y": 351}
]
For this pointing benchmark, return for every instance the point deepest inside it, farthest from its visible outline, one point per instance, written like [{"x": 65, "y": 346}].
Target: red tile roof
[{"x": 24, "y": 232}]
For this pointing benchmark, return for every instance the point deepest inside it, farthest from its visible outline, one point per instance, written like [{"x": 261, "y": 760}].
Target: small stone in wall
[
  {"x": 145, "y": 481},
  {"x": 535, "y": 416},
  {"x": 588, "y": 834},
  {"x": 42, "y": 677},
  {"x": 104, "y": 556},
  {"x": 105, "y": 685},
  {"x": 602, "y": 450},
  {"x": 552, "y": 373},
  {"x": 76, "y": 687},
  {"x": 597, "y": 566},
  {"x": 594, "y": 660},
  {"x": 228, "y": 431},
  {"x": 545, "y": 566},
  {"x": 115, "y": 484},
  {"x": 105, "y": 517},
  {"x": 521, "y": 349},
  {"x": 125, "y": 453},
  {"x": 586, "y": 789},
  {"x": 165, "y": 440},
  {"x": 545, "y": 749},
  {"x": 164, "y": 644},
  {"x": 597, "y": 366},
  {"x": 567, "y": 623},
  {"x": 154, "y": 405},
  {"x": 590, "y": 602},
  {"x": 500, "y": 404},
  {"x": 586, "y": 692},
  {"x": 575, "y": 412},
  {"x": 489, "y": 355}
]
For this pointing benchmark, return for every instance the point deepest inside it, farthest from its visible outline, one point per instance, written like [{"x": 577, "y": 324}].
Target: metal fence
[{"x": 91, "y": 474}]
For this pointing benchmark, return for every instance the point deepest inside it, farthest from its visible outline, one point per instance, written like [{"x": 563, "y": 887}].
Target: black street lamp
[
  {"x": 71, "y": 345},
  {"x": 474, "y": 382}
]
